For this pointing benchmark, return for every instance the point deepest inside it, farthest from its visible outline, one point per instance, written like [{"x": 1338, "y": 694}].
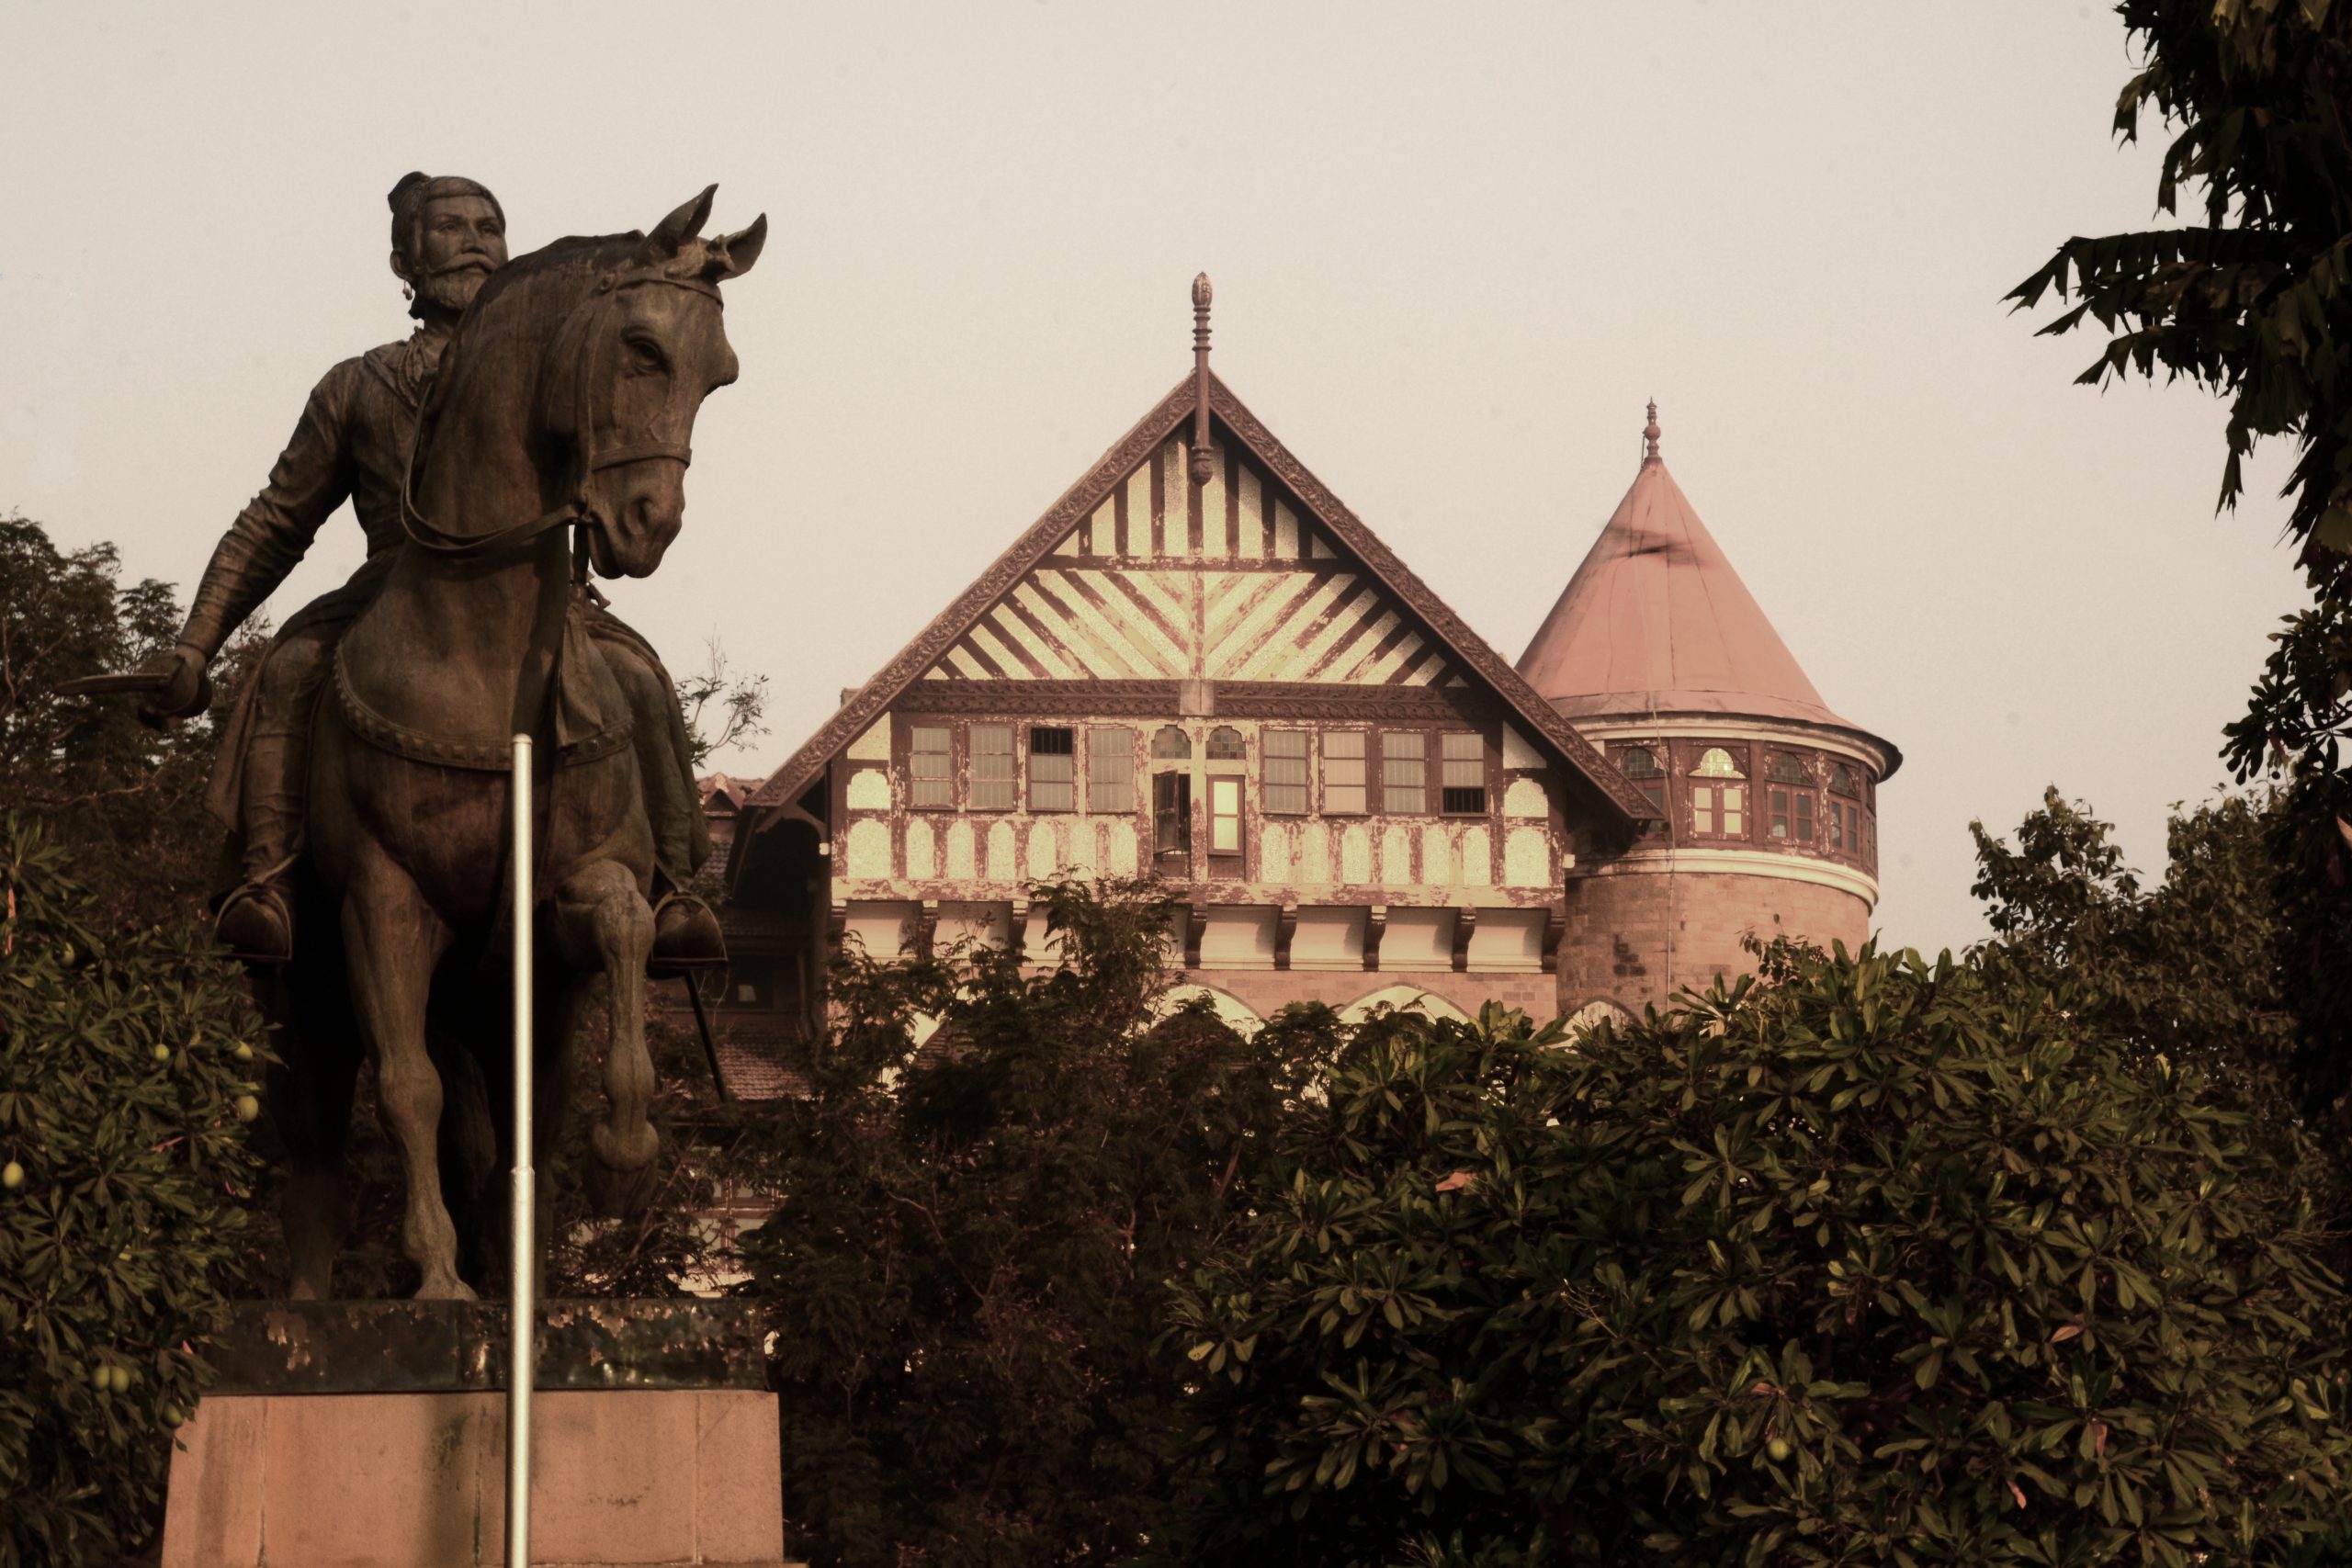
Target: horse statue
[{"x": 563, "y": 405}]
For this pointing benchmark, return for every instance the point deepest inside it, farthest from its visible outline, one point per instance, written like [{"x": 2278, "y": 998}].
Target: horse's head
[{"x": 626, "y": 372}]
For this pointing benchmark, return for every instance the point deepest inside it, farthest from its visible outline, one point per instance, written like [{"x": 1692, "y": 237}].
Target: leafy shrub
[
  {"x": 1867, "y": 1262},
  {"x": 124, "y": 1100}
]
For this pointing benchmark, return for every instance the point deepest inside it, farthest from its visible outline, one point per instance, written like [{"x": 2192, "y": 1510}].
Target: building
[{"x": 1199, "y": 664}]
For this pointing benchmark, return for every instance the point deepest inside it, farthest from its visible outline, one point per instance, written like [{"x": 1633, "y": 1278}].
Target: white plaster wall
[
  {"x": 1396, "y": 856},
  {"x": 1518, "y": 752},
  {"x": 1523, "y": 798},
  {"x": 1439, "y": 864},
  {"x": 1005, "y": 859},
  {"x": 869, "y": 855},
  {"x": 1475, "y": 860},
  {"x": 1238, "y": 938},
  {"x": 888, "y": 929},
  {"x": 922, "y": 858},
  {"x": 1313, "y": 852},
  {"x": 1355, "y": 854},
  {"x": 1508, "y": 941},
  {"x": 870, "y": 789},
  {"x": 1527, "y": 858},
  {"x": 874, "y": 745},
  {"x": 1417, "y": 938},
  {"x": 1045, "y": 855},
  {"x": 1273, "y": 852},
  {"x": 1329, "y": 938},
  {"x": 1121, "y": 855},
  {"x": 963, "y": 860}
]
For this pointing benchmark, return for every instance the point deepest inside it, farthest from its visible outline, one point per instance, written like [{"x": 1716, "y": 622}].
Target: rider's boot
[{"x": 256, "y": 920}]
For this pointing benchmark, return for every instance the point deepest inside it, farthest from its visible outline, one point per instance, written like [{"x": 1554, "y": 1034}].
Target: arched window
[
  {"x": 1718, "y": 810},
  {"x": 1225, "y": 745},
  {"x": 1789, "y": 800},
  {"x": 1786, "y": 769},
  {"x": 1172, "y": 741},
  {"x": 1845, "y": 816},
  {"x": 1841, "y": 780},
  {"x": 1638, "y": 762}
]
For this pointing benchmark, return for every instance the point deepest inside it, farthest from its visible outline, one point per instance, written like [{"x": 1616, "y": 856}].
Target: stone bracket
[
  {"x": 1555, "y": 926},
  {"x": 1016, "y": 931},
  {"x": 1376, "y": 926},
  {"x": 1285, "y": 928},
  {"x": 1197, "y": 925},
  {"x": 1465, "y": 926},
  {"x": 926, "y": 929}
]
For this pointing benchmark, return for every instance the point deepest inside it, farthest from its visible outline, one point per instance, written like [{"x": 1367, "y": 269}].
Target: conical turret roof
[{"x": 1656, "y": 620}]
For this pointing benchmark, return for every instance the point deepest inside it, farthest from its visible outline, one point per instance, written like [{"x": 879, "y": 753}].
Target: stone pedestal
[{"x": 373, "y": 1435}]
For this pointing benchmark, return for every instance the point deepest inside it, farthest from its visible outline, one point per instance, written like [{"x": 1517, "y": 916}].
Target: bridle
[{"x": 583, "y": 329}]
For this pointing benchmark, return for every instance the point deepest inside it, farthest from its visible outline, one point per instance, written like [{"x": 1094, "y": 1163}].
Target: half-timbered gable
[{"x": 1214, "y": 673}]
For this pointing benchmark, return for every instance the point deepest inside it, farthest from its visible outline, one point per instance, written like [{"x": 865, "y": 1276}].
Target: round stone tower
[{"x": 1658, "y": 653}]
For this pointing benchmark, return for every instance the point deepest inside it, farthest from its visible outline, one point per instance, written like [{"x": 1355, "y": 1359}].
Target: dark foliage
[
  {"x": 126, "y": 1080},
  {"x": 1874, "y": 1260}
]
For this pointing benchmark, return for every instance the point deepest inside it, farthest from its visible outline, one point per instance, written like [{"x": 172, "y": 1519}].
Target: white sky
[{"x": 1456, "y": 247}]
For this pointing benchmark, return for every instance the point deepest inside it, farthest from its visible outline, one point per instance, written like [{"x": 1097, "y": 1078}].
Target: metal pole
[{"x": 522, "y": 1263}]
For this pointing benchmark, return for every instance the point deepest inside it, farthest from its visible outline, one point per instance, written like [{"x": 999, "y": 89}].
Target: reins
[{"x": 590, "y": 457}]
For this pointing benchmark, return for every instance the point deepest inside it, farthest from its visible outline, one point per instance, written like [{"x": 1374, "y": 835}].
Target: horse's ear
[
  {"x": 678, "y": 228},
  {"x": 731, "y": 255}
]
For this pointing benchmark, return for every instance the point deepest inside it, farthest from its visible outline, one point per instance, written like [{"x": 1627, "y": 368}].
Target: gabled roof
[
  {"x": 871, "y": 701},
  {"x": 1656, "y": 620}
]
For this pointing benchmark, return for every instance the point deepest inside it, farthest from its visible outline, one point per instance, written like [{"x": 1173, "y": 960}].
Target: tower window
[
  {"x": 1718, "y": 811},
  {"x": 1716, "y": 763},
  {"x": 1793, "y": 815},
  {"x": 1404, "y": 770},
  {"x": 1842, "y": 782},
  {"x": 1639, "y": 764},
  {"x": 1111, "y": 769},
  {"x": 1171, "y": 743},
  {"x": 992, "y": 787},
  {"x": 1053, "y": 785},
  {"x": 1225, "y": 745},
  {"x": 1284, "y": 790},
  {"x": 1462, "y": 779},
  {"x": 1786, "y": 770},
  {"x": 1344, "y": 778},
  {"x": 931, "y": 760}
]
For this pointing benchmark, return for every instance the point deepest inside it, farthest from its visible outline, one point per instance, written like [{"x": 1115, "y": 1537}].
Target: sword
[{"x": 138, "y": 682}]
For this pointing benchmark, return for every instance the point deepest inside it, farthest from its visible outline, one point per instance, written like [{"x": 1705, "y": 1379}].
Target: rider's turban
[{"x": 408, "y": 198}]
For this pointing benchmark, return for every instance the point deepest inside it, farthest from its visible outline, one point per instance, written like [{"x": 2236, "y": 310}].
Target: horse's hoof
[{"x": 447, "y": 1289}]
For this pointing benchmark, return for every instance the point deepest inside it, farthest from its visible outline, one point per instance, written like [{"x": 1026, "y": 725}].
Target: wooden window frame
[
  {"x": 1267, "y": 783},
  {"x": 952, "y": 731},
  {"x": 1095, "y": 751},
  {"x": 1363, "y": 760},
  {"x": 972, "y": 754},
  {"x": 1388, "y": 808},
  {"x": 1227, "y": 862},
  {"x": 1033, "y": 778},
  {"x": 1485, "y": 785}
]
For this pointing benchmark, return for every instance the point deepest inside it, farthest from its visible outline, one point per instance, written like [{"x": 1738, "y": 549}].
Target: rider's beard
[{"x": 450, "y": 289}]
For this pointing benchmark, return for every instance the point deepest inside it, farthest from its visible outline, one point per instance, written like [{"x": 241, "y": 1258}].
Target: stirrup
[
  {"x": 686, "y": 936},
  {"x": 256, "y": 924}
]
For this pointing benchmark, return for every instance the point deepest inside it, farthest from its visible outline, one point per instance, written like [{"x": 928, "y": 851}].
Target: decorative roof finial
[
  {"x": 1649, "y": 435},
  {"x": 1204, "y": 459}
]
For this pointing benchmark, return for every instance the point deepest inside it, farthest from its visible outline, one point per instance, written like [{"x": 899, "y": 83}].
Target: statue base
[{"x": 373, "y": 1435}]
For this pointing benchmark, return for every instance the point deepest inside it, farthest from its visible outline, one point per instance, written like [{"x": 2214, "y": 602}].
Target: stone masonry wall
[{"x": 1632, "y": 940}]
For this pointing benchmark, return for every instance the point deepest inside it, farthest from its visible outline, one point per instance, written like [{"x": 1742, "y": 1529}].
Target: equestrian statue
[{"x": 534, "y": 430}]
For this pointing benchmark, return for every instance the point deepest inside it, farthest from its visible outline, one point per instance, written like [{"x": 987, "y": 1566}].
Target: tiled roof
[
  {"x": 1656, "y": 620},
  {"x": 761, "y": 1057}
]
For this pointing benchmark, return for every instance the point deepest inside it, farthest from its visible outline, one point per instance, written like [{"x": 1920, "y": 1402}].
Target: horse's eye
[{"x": 644, "y": 356}]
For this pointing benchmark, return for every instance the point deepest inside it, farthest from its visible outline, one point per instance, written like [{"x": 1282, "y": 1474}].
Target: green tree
[
  {"x": 967, "y": 1265},
  {"x": 1869, "y": 1260},
  {"x": 2253, "y": 301},
  {"x": 2188, "y": 969},
  {"x": 126, "y": 1080}
]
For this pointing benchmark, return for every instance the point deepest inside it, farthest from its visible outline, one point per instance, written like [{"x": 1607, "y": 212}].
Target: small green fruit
[
  {"x": 99, "y": 1378},
  {"x": 244, "y": 1053},
  {"x": 119, "y": 1379},
  {"x": 173, "y": 1415},
  {"x": 163, "y": 1052},
  {"x": 247, "y": 1108},
  {"x": 12, "y": 1176},
  {"x": 1779, "y": 1448}
]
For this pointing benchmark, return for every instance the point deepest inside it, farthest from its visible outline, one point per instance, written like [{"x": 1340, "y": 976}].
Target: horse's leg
[
  {"x": 603, "y": 922},
  {"x": 470, "y": 1136},
  {"x": 394, "y": 939},
  {"x": 310, "y": 1097}
]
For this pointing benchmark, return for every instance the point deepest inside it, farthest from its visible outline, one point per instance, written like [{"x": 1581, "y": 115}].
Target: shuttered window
[
  {"x": 1225, "y": 816},
  {"x": 1053, "y": 785},
  {"x": 1284, "y": 794},
  {"x": 1404, "y": 770},
  {"x": 1463, "y": 760},
  {"x": 1111, "y": 769},
  {"x": 930, "y": 765},
  {"x": 992, "y": 787},
  {"x": 1343, "y": 783},
  {"x": 1172, "y": 813}
]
